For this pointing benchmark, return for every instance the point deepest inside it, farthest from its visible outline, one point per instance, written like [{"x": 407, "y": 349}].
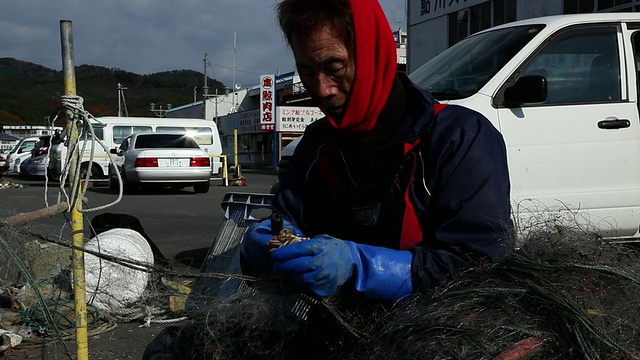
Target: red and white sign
[
  {"x": 267, "y": 102},
  {"x": 296, "y": 118}
]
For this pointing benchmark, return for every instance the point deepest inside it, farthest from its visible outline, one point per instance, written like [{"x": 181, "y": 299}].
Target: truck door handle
[{"x": 614, "y": 124}]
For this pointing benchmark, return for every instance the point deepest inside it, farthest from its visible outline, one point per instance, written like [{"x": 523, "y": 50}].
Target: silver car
[
  {"x": 38, "y": 166},
  {"x": 161, "y": 159}
]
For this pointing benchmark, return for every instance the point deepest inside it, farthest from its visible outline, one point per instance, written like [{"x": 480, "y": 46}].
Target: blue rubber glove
[
  {"x": 254, "y": 253},
  {"x": 324, "y": 265}
]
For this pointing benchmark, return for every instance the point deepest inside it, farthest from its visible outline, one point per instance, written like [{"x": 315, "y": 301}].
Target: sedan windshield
[
  {"x": 171, "y": 141},
  {"x": 464, "y": 68}
]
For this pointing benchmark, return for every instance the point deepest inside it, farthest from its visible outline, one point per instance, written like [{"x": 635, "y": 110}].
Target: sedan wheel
[{"x": 202, "y": 188}]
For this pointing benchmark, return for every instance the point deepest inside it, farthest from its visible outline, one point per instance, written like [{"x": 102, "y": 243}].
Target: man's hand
[
  {"x": 320, "y": 265},
  {"x": 254, "y": 249},
  {"x": 324, "y": 265}
]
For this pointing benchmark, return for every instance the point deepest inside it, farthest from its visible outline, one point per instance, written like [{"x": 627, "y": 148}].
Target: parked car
[
  {"x": 161, "y": 159},
  {"x": 285, "y": 158},
  {"x": 3, "y": 163},
  {"x": 23, "y": 166},
  {"x": 38, "y": 166}
]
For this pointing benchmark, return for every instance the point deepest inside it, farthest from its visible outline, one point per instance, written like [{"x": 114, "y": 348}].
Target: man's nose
[{"x": 326, "y": 86}]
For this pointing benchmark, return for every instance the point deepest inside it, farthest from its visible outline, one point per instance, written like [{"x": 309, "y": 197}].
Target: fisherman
[{"x": 396, "y": 192}]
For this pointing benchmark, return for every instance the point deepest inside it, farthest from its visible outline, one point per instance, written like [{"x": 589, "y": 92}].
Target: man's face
[{"x": 326, "y": 68}]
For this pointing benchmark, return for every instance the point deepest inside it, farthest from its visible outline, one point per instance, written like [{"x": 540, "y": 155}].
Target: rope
[{"x": 82, "y": 119}]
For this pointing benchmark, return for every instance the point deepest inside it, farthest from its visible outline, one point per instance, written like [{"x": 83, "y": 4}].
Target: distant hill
[{"x": 30, "y": 92}]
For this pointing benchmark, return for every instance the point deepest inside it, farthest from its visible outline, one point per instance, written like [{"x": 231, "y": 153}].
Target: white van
[
  {"x": 112, "y": 130},
  {"x": 563, "y": 91},
  {"x": 20, "y": 152}
]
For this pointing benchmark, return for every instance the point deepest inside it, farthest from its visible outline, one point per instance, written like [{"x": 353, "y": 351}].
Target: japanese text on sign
[
  {"x": 434, "y": 8},
  {"x": 267, "y": 103},
  {"x": 296, "y": 119}
]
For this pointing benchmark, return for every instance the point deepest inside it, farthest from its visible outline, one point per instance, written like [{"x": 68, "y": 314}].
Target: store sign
[
  {"x": 267, "y": 102},
  {"x": 421, "y": 10},
  {"x": 297, "y": 118},
  {"x": 245, "y": 122}
]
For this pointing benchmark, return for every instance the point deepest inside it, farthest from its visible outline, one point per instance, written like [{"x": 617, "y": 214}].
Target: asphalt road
[{"x": 181, "y": 223}]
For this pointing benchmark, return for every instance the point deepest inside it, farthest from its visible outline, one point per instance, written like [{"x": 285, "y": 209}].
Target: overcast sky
[{"x": 148, "y": 36}]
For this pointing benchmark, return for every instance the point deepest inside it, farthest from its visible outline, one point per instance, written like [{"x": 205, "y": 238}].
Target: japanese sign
[
  {"x": 296, "y": 118},
  {"x": 246, "y": 121},
  {"x": 421, "y": 10},
  {"x": 267, "y": 102}
]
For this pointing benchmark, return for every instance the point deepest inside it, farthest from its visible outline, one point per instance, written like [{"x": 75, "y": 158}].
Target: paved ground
[{"x": 182, "y": 225}]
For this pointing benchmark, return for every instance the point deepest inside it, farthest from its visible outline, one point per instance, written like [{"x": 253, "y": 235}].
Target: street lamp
[{"x": 159, "y": 112}]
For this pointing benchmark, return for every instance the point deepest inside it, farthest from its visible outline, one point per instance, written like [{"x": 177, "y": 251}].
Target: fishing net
[{"x": 561, "y": 295}]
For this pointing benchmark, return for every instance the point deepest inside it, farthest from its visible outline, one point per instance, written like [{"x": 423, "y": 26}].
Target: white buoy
[{"x": 110, "y": 285}]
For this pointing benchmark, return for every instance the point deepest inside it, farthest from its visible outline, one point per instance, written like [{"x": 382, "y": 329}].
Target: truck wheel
[
  {"x": 127, "y": 187},
  {"x": 95, "y": 171},
  {"x": 202, "y": 188},
  {"x": 113, "y": 181}
]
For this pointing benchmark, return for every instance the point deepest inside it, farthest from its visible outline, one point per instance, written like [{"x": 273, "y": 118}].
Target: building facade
[{"x": 13, "y": 133}]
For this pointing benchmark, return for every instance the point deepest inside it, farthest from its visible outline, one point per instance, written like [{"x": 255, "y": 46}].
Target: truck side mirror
[{"x": 530, "y": 89}]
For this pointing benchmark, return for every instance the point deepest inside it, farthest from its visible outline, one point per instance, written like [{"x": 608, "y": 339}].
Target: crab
[{"x": 285, "y": 237}]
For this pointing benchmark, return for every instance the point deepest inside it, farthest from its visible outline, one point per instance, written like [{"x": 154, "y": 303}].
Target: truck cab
[{"x": 563, "y": 91}]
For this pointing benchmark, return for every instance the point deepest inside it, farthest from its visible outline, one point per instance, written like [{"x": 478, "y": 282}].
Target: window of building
[
  {"x": 608, "y": 4},
  {"x": 504, "y": 11},
  {"x": 579, "y": 6},
  {"x": 478, "y": 17}
]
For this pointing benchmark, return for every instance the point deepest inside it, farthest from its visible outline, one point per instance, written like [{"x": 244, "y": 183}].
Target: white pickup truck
[{"x": 563, "y": 91}]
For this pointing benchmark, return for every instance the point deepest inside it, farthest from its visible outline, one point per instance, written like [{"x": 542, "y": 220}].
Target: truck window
[
  {"x": 202, "y": 135},
  {"x": 121, "y": 132},
  {"x": 464, "y": 68},
  {"x": 581, "y": 65}
]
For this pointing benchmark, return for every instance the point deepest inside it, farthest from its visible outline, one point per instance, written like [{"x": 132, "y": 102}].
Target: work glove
[
  {"x": 254, "y": 252},
  {"x": 325, "y": 265}
]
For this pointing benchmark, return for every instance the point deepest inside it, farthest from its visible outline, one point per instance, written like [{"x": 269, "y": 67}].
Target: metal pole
[
  {"x": 119, "y": 104},
  {"x": 77, "y": 227}
]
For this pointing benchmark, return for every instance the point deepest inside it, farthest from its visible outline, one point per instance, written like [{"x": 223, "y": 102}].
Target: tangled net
[{"x": 560, "y": 296}]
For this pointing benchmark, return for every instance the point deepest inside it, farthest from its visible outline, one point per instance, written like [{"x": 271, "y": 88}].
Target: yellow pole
[
  {"x": 77, "y": 227},
  {"x": 225, "y": 173},
  {"x": 235, "y": 149}
]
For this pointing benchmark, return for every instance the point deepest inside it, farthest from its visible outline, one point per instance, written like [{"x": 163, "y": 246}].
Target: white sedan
[{"x": 161, "y": 159}]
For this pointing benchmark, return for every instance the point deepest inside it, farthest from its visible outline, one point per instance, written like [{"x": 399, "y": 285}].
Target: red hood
[{"x": 374, "y": 74}]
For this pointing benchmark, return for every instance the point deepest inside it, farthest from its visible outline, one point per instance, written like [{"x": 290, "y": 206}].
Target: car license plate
[{"x": 173, "y": 162}]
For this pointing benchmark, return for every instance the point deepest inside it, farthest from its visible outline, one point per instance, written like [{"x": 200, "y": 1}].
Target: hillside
[{"x": 30, "y": 92}]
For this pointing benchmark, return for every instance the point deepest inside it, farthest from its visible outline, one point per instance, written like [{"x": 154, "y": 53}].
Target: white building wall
[
  {"x": 425, "y": 41},
  {"x": 528, "y": 9}
]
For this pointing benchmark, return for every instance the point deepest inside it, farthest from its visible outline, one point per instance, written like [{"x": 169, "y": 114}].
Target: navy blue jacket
[{"x": 455, "y": 181}]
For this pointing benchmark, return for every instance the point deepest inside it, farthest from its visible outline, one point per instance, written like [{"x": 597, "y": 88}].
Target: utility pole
[
  {"x": 234, "y": 102},
  {"x": 205, "y": 88},
  {"x": 121, "y": 100}
]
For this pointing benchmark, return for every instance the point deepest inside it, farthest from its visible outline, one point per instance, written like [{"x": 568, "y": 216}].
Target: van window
[
  {"x": 27, "y": 146},
  {"x": 120, "y": 132},
  {"x": 581, "y": 65},
  {"x": 202, "y": 135},
  {"x": 99, "y": 131}
]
